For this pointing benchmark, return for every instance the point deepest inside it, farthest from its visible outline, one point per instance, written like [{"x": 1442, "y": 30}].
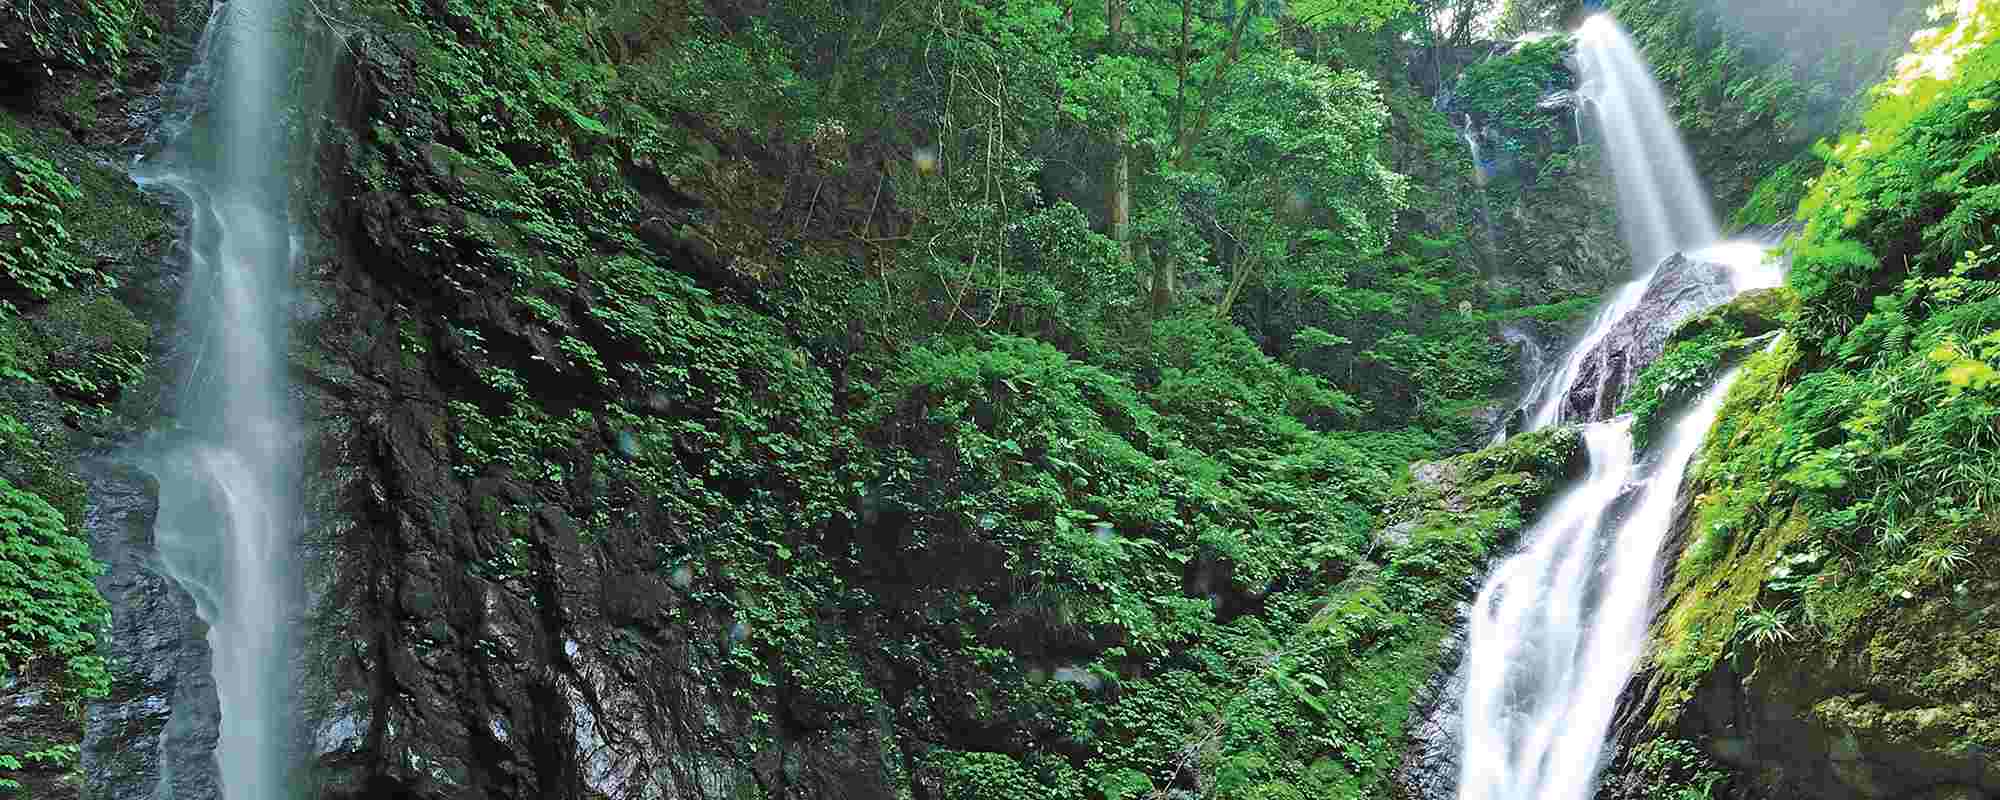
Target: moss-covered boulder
[
  {"x": 1456, "y": 516},
  {"x": 1752, "y": 313},
  {"x": 1699, "y": 349}
]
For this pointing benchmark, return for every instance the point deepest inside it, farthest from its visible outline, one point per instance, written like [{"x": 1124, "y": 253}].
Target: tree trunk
[
  {"x": 1163, "y": 284},
  {"x": 1191, "y": 133},
  {"x": 1118, "y": 190},
  {"x": 1119, "y": 200}
]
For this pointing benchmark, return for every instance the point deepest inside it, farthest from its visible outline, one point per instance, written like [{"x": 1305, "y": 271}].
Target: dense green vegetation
[
  {"x": 1845, "y": 503},
  {"x": 1031, "y": 386},
  {"x": 1699, "y": 350},
  {"x": 72, "y": 226},
  {"x": 1057, "y": 435}
]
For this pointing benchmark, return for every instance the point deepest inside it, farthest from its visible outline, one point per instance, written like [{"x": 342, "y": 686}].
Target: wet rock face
[
  {"x": 1449, "y": 492},
  {"x": 467, "y": 636},
  {"x": 154, "y": 734},
  {"x": 1873, "y": 720},
  {"x": 1680, "y": 289},
  {"x": 1535, "y": 345},
  {"x": 1430, "y": 766},
  {"x": 1900, "y": 707},
  {"x": 157, "y": 730}
]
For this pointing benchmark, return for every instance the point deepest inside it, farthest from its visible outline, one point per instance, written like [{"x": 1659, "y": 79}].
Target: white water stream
[
  {"x": 229, "y": 511},
  {"x": 1663, "y": 207},
  {"x": 1557, "y": 630}
]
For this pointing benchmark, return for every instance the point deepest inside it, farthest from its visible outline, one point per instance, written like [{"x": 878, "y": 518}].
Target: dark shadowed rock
[
  {"x": 1430, "y": 765},
  {"x": 1680, "y": 289},
  {"x": 157, "y": 729},
  {"x": 467, "y": 635}
]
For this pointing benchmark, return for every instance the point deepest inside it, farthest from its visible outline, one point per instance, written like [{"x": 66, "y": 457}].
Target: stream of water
[
  {"x": 229, "y": 512},
  {"x": 1663, "y": 207},
  {"x": 1558, "y": 628}
]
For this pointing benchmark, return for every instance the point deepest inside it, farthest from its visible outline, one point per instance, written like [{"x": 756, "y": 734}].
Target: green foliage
[
  {"x": 78, "y": 33},
  {"x": 1506, "y": 90},
  {"x": 1348, "y": 13},
  {"x": 49, "y": 609},
  {"x": 1848, "y": 482},
  {"x": 1070, "y": 508},
  {"x": 884, "y": 384},
  {"x": 1776, "y": 197},
  {"x": 1676, "y": 769},
  {"x": 994, "y": 776},
  {"x": 1686, "y": 368},
  {"x": 39, "y": 257}
]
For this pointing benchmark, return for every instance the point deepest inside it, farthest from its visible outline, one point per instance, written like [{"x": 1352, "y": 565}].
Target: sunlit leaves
[{"x": 49, "y": 608}]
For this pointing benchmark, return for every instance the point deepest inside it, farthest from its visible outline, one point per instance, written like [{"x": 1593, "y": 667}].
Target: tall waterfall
[
  {"x": 1662, "y": 206},
  {"x": 1557, "y": 629},
  {"x": 229, "y": 512},
  {"x": 1555, "y": 634}
]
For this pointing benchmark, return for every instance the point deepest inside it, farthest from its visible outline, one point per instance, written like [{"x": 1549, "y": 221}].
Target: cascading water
[
  {"x": 1559, "y": 626},
  {"x": 1662, "y": 205},
  {"x": 228, "y": 472}
]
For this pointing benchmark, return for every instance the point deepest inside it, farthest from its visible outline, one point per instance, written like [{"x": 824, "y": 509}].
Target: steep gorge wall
[
  {"x": 1824, "y": 630},
  {"x": 603, "y": 512},
  {"x": 87, "y": 360},
  {"x": 606, "y": 501}
]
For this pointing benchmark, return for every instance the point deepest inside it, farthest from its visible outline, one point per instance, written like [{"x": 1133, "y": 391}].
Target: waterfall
[
  {"x": 1557, "y": 629},
  {"x": 1559, "y": 626},
  {"x": 1533, "y": 369},
  {"x": 1662, "y": 206},
  {"x": 228, "y": 471}
]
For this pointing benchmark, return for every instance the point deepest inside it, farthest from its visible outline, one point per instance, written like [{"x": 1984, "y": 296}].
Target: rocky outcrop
[
  {"x": 1680, "y": 289},
  {"x": 470, "y": 633},
  {"x": 155, "y": 734},
  {"x": 1430, "y": 764},
  {"x": 1782, "y": 667},
  {"x": 1509, "y": 482},
  {"x": 1905, "y": 710},
  {"x": 152, "y": 735},
  {"x": 1535, "y": 344}
]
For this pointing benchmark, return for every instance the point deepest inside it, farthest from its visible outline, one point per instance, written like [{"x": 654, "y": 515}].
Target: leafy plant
[
  {"x": 53, "y": 611},
  {"x": 78, "y": 33},
  {"x": 1767, "y": 627},
  {"x": 40, "y": 257}
]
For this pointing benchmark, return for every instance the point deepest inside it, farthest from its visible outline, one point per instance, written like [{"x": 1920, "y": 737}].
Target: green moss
[
  {"x": 1752, "y": 313},
  {"x": 21, "y": 354},
  {"x": 45, "y": 583},
  {"x": 1842, "y": 530},
  {"x": 79, "y": 33},
  {"x": 80, "y": 103},
  {"x": 115, "y": 220},
  {"x": 1733, "y": 540},
  {"x": 95, "y": 346}
]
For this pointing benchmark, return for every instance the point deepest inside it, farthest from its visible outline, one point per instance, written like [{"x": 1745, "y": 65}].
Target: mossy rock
[
  {"x": 1482, "y": 495},
  {"x": 21, "y": 352},
  {"x": 1753, "y": 313},
  {"x": 76, "y": 326}
]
